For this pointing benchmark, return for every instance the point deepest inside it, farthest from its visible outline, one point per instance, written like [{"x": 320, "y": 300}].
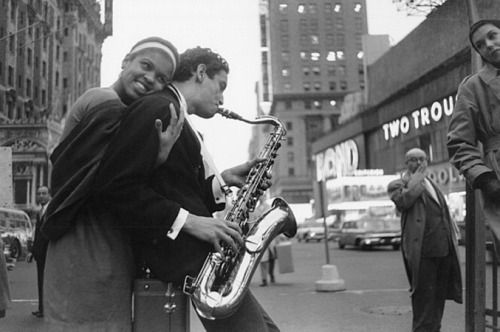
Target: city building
[
  {"x": 411, "y": 95},
  {"x": 50, "y": 53},
  {"x": 312, "y": 57}
]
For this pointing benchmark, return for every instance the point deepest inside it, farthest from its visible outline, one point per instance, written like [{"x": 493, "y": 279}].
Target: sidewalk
[{"x": 376, "y": 298}]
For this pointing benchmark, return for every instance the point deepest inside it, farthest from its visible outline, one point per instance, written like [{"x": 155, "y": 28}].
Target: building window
[
  {"x": 65, "y": 82},
  {"x": 313, "y": 8},
  {"x": 285, "y": 72},
  {"x": 288, "y": 104},
  {"x": 331, "y": 56},
  {"x": 283, "y": 7},
  {"x": 28, "y": 87},
  {"x": 287, "y": 87},
  {"x": 304, "y": 55},
  {"x": 291, "y": 171},
  {"x": 314, "y": 39},
  {"x": 290, "y": 157},
  {"x": 57, "y": 79},
  {"x": 301, "y": 8},
  {"x": 358, "y": 23},
  {"x": 284, "y": 41},
  {"x": 339, "y": 23},
  {"x": 289, "y": 141},
  {"x": 284, "y": 25},
  {"x": 289, "y": 125},
  {"x": 306, "y": 86},
  {"x": 343, "y": 85},
  {"x": 30, "y": 55},
  {"x": 332, "y": 85},
  {"x": 44, "y": 97},
  {"x": 330, "y": 40},
  {"x": 360, "y": 55},
  {"x": 317, "y": 86},
  {"x": 11, "y": 76},
  {"x": 327, "y": 8},
  {"x": 303, "y": 25},
  {"x": 315, "y": 56},
  {"x": 340, "y": 40},
  {"x": 305, "y": 71},
  {"x": 19, "y": 82},
  {"x": 318, "y": 104},
  {"x": 316, "y": 70},
  {"x": 12, "y": 43},
  {"x": 314, "y": 25},
  {"x": 304, "y": 40},
  {"x": 357, "y": 7},
  {"x": 285, "y": 56},
  {"x": 342, "y": 70},
  {"x": 337, "y": 8},
  {"x": 44, "y": 68},
  {"x": 307, "y": 104}
]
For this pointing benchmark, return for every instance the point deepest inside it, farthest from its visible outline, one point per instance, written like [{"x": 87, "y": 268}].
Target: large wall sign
[
  {"x": 339, "y": 160},
  {"x": 419, "y": 118}
]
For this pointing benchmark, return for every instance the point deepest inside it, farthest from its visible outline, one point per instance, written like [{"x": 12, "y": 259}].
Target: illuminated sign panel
[
  {"x": 337, "y": 161},
  {"x": 419, "y": 118}
]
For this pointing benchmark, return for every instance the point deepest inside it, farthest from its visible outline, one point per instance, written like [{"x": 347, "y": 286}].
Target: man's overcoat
[{"x": 411, "y": 202}]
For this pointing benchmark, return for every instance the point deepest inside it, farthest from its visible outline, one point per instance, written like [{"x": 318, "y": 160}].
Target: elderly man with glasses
[{"x": 428, "y": 241}]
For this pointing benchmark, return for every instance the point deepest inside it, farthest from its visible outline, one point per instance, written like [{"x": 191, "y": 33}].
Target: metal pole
[
  {"x": 475, "y": 231},
  {"x": 323, "y": 213}
]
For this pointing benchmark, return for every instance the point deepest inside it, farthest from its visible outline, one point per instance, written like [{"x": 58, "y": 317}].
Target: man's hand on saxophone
[
  {"x": 236, "y": 176},
  {"x": 215, "y": 231}
]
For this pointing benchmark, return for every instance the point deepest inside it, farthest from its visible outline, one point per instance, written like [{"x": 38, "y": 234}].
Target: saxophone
[{"x": 223, "y": 281}]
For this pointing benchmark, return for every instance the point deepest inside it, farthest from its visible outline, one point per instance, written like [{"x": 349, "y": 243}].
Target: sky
[{"x": 230, "y": 28}]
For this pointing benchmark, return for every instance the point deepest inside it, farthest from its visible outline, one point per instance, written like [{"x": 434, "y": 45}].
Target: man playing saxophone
[{"x": 180, "y": 195}]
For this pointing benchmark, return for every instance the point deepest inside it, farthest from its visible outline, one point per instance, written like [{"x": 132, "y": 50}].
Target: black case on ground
[{"x": 159, "y": 307}]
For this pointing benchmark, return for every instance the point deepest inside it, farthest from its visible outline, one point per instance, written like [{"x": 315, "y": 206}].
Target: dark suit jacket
[
  {"x": 148, "y": 199},
  {"x": 40, "y": 242}
]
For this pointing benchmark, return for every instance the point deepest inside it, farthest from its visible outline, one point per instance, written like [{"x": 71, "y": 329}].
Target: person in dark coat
[
  {"x": 185, "y": 191},
  {"x": 476, "y": 119},
  {"x": 429, "y": 243},
  {"x": 40, "y": 244}
]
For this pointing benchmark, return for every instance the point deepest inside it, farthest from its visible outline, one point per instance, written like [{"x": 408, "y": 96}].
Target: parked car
[
  {"x": 310, "y": 231},
  {"x": 16, "y": 231},
  {"x": 370, "y": 232}
]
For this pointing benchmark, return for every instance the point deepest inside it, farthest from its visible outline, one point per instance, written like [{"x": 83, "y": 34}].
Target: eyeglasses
[{"x": 417, "y": 159}]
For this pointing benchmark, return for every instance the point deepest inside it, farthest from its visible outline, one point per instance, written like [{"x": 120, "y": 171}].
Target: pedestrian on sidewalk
[
  {"x": 267, "y": 263},
  {"x": 429, "y": 243},
  {"x": 4, "y": 283},
  {"x": 40, "y": 244}
]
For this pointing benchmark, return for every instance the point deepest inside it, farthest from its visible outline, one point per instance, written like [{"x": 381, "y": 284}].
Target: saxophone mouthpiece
[{"x": 228, "y": 114}]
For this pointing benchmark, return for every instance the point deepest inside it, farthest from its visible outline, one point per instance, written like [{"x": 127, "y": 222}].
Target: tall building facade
[
  {"x": 312, "y": 57},
  {"x": 50, "y": 53}
]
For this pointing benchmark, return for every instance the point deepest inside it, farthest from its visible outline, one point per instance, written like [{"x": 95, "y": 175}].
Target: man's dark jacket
[{"x": 148, "y": 199}]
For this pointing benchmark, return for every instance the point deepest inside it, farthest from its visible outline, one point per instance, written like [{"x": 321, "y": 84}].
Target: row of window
[
  {"x": 330, "y": 56},
  {"x": 312, "y": 8},
  {"x": 318, "y": 86},
  {"x": 313, "y": 25},
  {"x": 331, "y": 40}
]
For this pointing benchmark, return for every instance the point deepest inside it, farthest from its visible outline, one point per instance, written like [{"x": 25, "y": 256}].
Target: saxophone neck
[{"x": 263, "y": 119}]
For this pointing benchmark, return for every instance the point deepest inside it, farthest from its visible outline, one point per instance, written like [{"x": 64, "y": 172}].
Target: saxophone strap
[{"x": 207, "y": 159}]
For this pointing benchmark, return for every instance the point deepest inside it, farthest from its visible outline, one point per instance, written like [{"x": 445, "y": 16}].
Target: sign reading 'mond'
[
  {"x": 419, "y": 118},
  {"x": 337, "y": 161}
]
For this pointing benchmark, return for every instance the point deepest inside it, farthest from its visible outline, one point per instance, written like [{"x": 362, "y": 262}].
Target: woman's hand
[{"x": 170, "y": 135}]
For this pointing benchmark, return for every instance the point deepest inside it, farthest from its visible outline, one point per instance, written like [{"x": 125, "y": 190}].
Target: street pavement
[{"x": 376, "y": 297}]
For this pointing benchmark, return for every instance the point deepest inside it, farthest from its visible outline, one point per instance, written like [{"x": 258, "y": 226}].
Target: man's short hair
[{"x": 193, "y": 57}]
